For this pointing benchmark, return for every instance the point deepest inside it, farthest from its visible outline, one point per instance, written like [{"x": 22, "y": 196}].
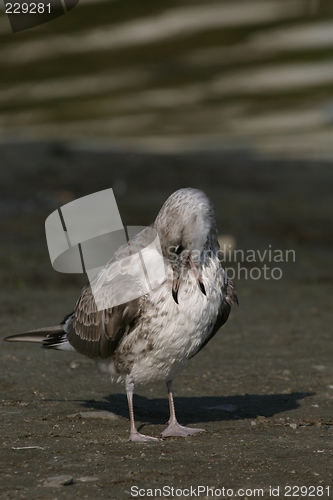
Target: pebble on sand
[{"x": 57, "y": 481}]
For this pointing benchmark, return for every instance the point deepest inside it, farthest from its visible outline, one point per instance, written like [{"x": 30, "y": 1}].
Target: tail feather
[
  {"x": 37, "y": 336},
  {"x": 57, "y": 340}
]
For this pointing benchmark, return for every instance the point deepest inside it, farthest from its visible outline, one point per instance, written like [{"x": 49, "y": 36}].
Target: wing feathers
[
  {"x": 35, "y": 336},
  {"x": 229, "y": 298},
  {"x": 97, "y": 333}
]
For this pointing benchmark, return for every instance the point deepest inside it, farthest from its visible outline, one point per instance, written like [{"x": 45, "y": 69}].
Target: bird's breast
[{"x": 168, "y": 334}]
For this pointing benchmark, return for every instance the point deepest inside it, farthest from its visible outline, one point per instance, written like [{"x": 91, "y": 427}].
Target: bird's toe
[
  {"x": 176, "y": 429},
  {"x": 136, "y": 437}
]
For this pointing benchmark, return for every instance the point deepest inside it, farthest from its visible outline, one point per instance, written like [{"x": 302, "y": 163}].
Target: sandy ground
[{"x": 262, "y": 388}]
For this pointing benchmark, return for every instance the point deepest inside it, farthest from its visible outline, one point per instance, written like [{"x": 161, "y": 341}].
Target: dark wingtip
[
  {"x": 175, "y": 296},
  {"x": 202, "y": 287}
]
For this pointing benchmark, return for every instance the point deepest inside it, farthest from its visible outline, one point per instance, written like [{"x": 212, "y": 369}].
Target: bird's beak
[
  {"x": 176, "y": 281},
  {"x": 175, "y": 287},
  {"x": 197, "y": 275}
]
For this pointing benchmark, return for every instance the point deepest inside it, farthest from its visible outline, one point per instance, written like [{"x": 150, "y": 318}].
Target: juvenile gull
[{"x": 152, "y": 337}]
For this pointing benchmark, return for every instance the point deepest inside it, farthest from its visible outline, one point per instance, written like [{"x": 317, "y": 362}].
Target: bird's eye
[{"x": 179, "y": 249}]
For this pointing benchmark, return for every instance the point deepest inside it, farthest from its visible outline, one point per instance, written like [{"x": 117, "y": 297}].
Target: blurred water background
[{"x": 175, "y": 75}]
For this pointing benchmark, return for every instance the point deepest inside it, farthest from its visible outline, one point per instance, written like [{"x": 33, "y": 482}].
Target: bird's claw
[
  {"x": 175, "y": 429},
  {"x": 136, "y": 437}
]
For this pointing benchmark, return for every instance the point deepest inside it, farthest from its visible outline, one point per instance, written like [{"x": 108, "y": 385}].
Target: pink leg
[
  {"x": 135, "y": 436},
  {"x": 174, "y": 428}
]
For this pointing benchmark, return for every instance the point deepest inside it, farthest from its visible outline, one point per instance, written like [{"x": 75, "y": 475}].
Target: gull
[{"x": 152, "y": 336}]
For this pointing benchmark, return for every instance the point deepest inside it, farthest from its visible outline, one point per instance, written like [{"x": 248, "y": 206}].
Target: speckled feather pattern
[
  {"x": 152, "y": 338},
  {"x": 168, "y": 334}
]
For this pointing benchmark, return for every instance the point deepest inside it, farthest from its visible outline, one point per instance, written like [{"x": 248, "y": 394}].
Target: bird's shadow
[{"x": 192, "y": 409}]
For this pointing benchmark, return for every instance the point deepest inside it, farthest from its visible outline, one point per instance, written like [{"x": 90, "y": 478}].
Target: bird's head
[{"x": 186, "y": 227}]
